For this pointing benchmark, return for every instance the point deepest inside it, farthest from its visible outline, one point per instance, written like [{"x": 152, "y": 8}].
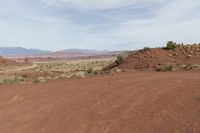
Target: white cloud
[
  {"x": 84, "y": 5},
  {"x": 178, "y": 9},
  {"x": 48, "y": 25},
  {"x": 175, "y": 21}
]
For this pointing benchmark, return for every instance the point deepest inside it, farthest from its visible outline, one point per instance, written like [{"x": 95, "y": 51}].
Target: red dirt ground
[{"x": 131, "y": 102}]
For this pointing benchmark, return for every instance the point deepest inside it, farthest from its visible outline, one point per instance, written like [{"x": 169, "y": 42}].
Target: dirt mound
[
  {"x": 187, "y": 54},
  {"x": 158, "y": 57}
]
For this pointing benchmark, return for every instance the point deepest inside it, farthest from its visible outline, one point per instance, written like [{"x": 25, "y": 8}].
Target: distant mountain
[
  {"x": 83, "y": 53},
  {"x": 19, "y": 51}
]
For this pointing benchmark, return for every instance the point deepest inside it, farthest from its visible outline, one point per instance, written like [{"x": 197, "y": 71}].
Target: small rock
[
  {"x": 170, "y": 55},
  {"x": 189, "y": 56},
  {"x": 191, "y": 52}
]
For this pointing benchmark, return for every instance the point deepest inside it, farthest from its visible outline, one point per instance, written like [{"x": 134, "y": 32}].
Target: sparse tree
[
  {"x": 26, "y": 60},
  {"x": 171, "y": 45},
  {"x": 120, "y": 59}
]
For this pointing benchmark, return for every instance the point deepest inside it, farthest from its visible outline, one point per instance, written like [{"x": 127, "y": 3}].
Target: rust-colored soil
[{"x": 133, "y": 102}]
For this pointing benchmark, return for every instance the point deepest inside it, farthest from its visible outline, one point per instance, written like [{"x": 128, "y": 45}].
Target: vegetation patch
[
  {"x": 171, "y": 45},
  {"x": 169, "y": 68},
  {"x": 188, "y": 66},
  {"x": 146, "y": 49},
  {"x": 39, "y": 80},
  {"x": 166, "y": 68},
  {"x": 120, "y": 59},
  {"x": 11, "y": 80},
  {"x": 178, "y": 67}
]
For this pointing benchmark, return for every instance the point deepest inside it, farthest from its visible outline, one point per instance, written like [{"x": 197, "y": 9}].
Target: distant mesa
[{"x": 19, "y": 52}]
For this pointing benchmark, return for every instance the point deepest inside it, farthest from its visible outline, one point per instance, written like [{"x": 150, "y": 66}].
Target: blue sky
[{"x": 98, "y": 24}]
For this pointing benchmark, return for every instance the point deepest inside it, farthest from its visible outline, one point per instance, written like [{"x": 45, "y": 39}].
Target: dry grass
[{"x": 45, "y": 71}]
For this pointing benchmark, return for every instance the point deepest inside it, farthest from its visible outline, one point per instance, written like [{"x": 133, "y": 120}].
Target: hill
[
  {"x": 19, "y": 52},
  {"x": 16, "y": 51},
  {"x": 157, "y": 58}
]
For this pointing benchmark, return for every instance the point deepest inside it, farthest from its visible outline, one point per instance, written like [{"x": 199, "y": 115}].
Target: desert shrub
[
  {"x": 26, "y": 60},
  {"x": 11, "y": 80},
  {"x": 120, "y": 59},
  {"x": 146, "y": 48},
  {"x": 169, "y": 68},
  {"x": 191, "y": 66},
  {"x": 24, "y": 75},
  {"x": 158, "y": 69},
  {"x": 171, "y": 45},
  {"x": 165, "y": 68},
  {"x": 94, "y": 72},
  {"x": 39, "y": 80},
  {"x": 89, "y": 70},
  {"x": 36, "y": 81}
]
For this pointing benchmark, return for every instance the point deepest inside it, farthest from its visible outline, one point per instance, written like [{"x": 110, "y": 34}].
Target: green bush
[
  {"x": 24, "y": 75},
  {"x": 158, "y": 69},
  {"x": 90, "y": 70},
  {"x": 191, "y": 66},
  {"x": 11, "y": 80},
  {"x": 171, "y": 45},
  {"x": 39, "y": 80},
  {"x": 169, "y": 68},
  {"x": 166, "y": 68},
  {"x": 120, "y": 59},
  {"x": 146, "y": 48}
]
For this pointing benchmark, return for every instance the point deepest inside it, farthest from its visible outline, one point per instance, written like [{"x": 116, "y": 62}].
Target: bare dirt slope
[
  {"x": 157, "y": 57},
  {"x": 134, "y": 102}
]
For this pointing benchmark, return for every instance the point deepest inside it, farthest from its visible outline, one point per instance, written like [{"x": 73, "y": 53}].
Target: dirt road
[
  {"x": 131, "y": 102},
  {"x": 21, "y": 68}
]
